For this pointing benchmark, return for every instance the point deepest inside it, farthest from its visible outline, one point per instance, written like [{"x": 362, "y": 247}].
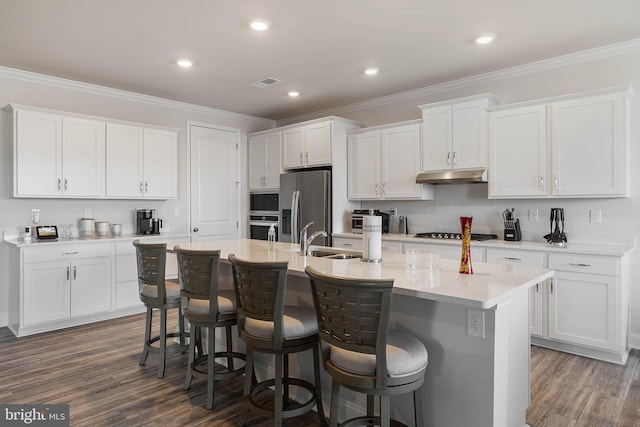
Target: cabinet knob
[{"x": 195, "y": 229}]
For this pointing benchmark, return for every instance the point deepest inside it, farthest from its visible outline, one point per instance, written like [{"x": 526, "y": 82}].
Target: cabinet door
[
  {"x": 448, "y": 251},
  {"x": 90, "y": 286},
  {"x": 537, "y": 306},
  {"x": 160, "y": 164},
  {"x": 318, "y": 144},
  {"x": 436, "y": 138},
  {"x": 264, "y": 162},
  {"x": 469, "y": 135},
  {"x": 83, "y": 157},
  {"x": 518, "y": 152},
  {"x": 293, "y": 148},
  {"x": 272, "y": 158},
  {"x": 38, "y": 154},
  {"x": 363, "y": 166},
  {"x": 347, "y": 243},
  {"x": 46, "y": 292},
  {"x": 582, "y": 309},
  {"x": 401, "y": 162},
  {"x": 589, "y": 146},
  {"x": 124, "y": 161}
]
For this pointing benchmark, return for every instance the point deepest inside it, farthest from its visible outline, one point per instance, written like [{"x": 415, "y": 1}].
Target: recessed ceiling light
[
  {"x": 485, "y": 38},
  {"x": 259, "y": 24},
  {"x": 293, "y": 93},
  {"x": 372, "y": 71},
  {"x": 185, "y": 62}
]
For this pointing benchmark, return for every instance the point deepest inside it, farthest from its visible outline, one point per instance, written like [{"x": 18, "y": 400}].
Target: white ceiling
[{"x": 318, "y": 47}]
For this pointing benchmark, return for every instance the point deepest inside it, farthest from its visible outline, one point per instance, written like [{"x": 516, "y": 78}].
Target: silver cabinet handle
[
  {"x": 74, "y": 272},
  {"x": 377, "y": 188},
  {"x": 59, "y": 184},
  {"x": 510, "y": 258},
  {"x": 449, "y": 158},
  {"x": 67, "y": 273},
  {"x": 384, "y": 188},
  {"x": 301, "y": 162},
  {"x": 541, "y": 187},
  {"x": 347, "y": 244},
  {"x": 579, "y": 264},
  {"x": 555, "y": 182},
  {"x": 66, "y": 184},
  {"x": 454, "y": 160},
  {"x": 146, "y": 187},
  {"x": 140, "y": 190},
  {"x": 70, "y": 253},
  {"x": 537, "y": 287},
  {"x": 306, "y": 157},
  {"x": 551, "y": 283}
]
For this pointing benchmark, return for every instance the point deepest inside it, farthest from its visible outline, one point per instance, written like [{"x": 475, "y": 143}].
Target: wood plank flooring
[{"x": 94, "y": 368}]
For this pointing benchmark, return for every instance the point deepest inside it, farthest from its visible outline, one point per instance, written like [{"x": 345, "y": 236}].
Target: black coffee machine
[{"x": 147, "y": 222}]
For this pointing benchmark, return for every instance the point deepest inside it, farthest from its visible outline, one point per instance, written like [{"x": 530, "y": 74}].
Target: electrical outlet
[
  {"x": 86, "y": 213},
  {"x": 475, "y": 323},
  {"x": 595, "y": 216},
  {"x": 394, "y": 212},
  {"x": 533, "y": 215},
  {"x": 35, "y": 216}
]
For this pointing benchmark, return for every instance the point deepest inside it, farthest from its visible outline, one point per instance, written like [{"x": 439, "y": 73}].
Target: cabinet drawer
[
  {"x": 57, "y": 252},
  {"x": 585, "y": 264},
  {"x": 392, "y": 247},
  {"x": 506, "y": 256},
  {"x": 346, "y": 243}
]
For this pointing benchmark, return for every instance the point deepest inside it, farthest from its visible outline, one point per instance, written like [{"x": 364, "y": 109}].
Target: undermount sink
[{"x": 333, "y": 253}]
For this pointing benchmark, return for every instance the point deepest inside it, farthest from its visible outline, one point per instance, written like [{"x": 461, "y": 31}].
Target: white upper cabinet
[
  {"x": 307, "y": 146},
  {"x": 264, "y": 161},
  {"x": 56, "y": 155},
  {"x": 574, "y": 146},
  {"x": 383, "y": 163},
  {"x": 141, "y": 162},
  {"x": 455, "y": 133}
]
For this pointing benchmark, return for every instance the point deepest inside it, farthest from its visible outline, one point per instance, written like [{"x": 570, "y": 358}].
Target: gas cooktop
[{"x": 455, "y": 236}]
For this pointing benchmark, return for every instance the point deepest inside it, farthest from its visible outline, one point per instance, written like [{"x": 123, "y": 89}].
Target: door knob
[{"x": 195, "y": 229}]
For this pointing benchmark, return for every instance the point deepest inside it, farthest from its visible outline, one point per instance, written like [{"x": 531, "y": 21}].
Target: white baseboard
[
  {"x": 634, "y": 340},
  {"x": 4, "y": 320}
]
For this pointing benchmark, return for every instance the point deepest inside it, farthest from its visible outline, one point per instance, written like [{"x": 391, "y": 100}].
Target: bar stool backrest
[
  {"x": 259, "y": 289},
  {"x": 151, "y": 261},
  {"x": 353, "y": 314},
  {"x": 198, "y": 276}
]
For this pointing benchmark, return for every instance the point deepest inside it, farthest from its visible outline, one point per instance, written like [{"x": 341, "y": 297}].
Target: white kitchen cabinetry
[
  {"x": 537, "y": 298},
  {"x": 141, "y": 162},
  {"x": 383, "y": 162},
  {"x": 307, "y": 146},
  {"x": 587, "y": 302},
  {"x": 65, "y": 281},
  {"x": 56, "y": 155},
  {"x": 448, "y": 251},
  {"x": 455, "y": 133},
  {"x": 570, "y": 146},
  {"x": 264, "y": 161},
  {"x": 356, "y": 244}
]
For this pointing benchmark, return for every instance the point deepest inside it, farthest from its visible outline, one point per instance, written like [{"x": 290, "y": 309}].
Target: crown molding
[
  {"x": 93, "y": 89},
  {"x": 623, "y": 48}
]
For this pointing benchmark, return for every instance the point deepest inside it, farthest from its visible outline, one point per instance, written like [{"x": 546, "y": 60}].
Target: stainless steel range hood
[{"x": 471, "y": 176}]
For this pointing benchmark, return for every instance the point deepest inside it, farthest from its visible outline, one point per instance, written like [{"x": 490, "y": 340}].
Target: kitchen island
[{"x": 471, "y": 380}]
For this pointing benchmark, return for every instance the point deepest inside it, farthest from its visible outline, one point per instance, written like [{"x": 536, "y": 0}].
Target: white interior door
[{"x": 214, "y": 184}]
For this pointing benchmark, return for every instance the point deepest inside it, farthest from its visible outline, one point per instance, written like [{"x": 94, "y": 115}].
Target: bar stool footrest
[
  {"x": 294, "y": 409},
  {"x": 202, "y": 360},
  {"x": 170, "y": 348},
  {"x": 368, "y": 421}
]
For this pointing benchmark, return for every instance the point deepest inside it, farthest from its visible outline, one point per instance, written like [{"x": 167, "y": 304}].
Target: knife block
[{"x": 512, "y": 231}]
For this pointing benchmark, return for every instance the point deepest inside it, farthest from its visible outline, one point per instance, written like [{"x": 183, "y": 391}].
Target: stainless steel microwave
[{"x": 264, "y": 203}]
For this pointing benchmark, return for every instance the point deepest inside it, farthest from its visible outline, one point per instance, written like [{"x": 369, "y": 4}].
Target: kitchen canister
[
  {"x": 371, "y": 238},
  {"x": 87, "y": 227},
  {"x": 116, "y": 229},
  {"x": 103, "y": 228}
]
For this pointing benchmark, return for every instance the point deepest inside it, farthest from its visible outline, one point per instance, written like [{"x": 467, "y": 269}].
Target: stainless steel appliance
[
  {"x": 454, "y": 236},
  {"x": 264, "y": 203},
  {"x": 305, "y": 197},
  {"x": 147, "y": 222},
  {"x": 259, "y": 225},
  {"x": 357, "y": 218}
]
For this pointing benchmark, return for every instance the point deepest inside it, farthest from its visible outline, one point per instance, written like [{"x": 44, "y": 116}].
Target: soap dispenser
[{"x": 271, "y": 238}]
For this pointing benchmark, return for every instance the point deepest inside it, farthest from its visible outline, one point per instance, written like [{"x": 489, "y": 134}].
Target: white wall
[
  {"x": 597, "y": 69},
  {"x": 42, "y": 91}
]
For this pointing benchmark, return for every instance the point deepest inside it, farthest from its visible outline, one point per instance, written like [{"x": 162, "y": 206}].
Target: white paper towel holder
[{"x": 372, "y": 230}]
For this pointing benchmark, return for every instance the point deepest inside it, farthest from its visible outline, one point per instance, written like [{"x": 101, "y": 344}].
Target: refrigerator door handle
[{"x": 295, "y": 216}]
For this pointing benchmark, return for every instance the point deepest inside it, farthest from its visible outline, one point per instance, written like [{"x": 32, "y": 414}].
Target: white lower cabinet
[
  {"x": 65, "y": 281},
  {"x": 448, "y": 251},
  {"x": 537, "y": 306}
]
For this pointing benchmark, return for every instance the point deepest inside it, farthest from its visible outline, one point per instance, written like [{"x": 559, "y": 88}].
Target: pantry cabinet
[
  {"x": 264, "y": 161},
  {"x": 455, "y": 133},
  {"x": 571, "y": 146},
  {"x": 383, "y": 161},
  {"x": 56, "y": 155},
  {"x": 141, "y": 163}
]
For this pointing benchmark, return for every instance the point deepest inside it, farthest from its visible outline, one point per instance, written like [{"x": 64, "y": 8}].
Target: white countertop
[
  {"x": 489, "y": 286},
  {"x": 98, "y": 239},
  {"x": 578, "y": 248}
]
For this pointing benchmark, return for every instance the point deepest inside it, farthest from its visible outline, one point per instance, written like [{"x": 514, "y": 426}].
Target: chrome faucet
[{"x": 306, "y": 242}]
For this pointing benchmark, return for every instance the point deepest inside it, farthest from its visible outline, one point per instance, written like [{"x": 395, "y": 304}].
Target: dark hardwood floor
[{"x": 94, "y": 369}]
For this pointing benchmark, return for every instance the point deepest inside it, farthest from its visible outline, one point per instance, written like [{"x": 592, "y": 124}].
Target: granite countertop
[
  {"x": 489, "y": 286},
  {"x": 579, "y": 248}
]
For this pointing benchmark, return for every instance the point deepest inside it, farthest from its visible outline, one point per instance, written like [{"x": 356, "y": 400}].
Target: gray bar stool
[
  {"x": 268, "y": 326},
  {"x": 208, "y": 307},
  {"x": 156, "y": 293},
  {"x": 353, "y": 315}
]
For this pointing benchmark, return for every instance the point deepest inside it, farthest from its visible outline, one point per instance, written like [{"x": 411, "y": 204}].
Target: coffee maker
[{"x": 147, "y": 222}]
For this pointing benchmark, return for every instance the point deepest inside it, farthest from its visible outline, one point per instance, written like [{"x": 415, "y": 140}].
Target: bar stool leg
[
  {"x": 229, "y": 349},
  {"x": 370, "y": 405},
  {"x": 147, "y": 335},
  {"x": 418, "y": 406},
  {"x": 211, "y": 344},
  {"x": 318, "y": 383},
  {"x": 277, "y": 405},
  {"x": 163, "y": 342},
  {"x": 192, "y": 349},
  {"x": 335, "y": 404},
  {"x": 385, "y": 411},
  {"x": 285, "y": 381},
  {"x": 248, "y": 379}
]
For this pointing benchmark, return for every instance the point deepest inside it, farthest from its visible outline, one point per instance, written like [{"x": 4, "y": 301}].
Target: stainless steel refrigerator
[{"x": 305, "y": 196}]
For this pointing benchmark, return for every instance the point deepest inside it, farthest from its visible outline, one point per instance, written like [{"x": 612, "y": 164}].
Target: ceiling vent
[{"x": 267, "y": 81}]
